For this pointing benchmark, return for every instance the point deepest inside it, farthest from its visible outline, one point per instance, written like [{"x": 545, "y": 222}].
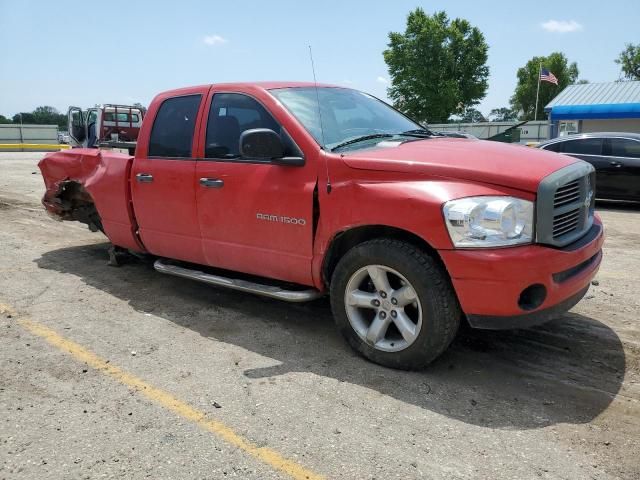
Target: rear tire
[{"x": 394, "y": 304}]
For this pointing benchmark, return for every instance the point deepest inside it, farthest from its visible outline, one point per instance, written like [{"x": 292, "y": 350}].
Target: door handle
[
  {"x": 615, "y": 164},
  {"x": 144, "y": 177},
  {"x": 211, "y": 182}
]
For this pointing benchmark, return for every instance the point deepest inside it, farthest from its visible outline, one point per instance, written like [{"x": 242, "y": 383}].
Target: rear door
[
  {"x": 623, "y": 155},
  {"x": 162, "y": 180},
  {"x": 256, "y": 217},
  {"x": 590, "y": 149}
]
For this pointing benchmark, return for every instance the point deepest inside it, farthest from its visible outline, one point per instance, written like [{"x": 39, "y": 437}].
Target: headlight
[{"x": 489, "y": 221}]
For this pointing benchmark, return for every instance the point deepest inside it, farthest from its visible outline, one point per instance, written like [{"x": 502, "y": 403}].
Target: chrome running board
[{"x": 236, "y": 284}]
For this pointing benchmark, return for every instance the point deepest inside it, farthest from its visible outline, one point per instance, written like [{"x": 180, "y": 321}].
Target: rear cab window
[
  {"x": 121, "y": 117},
  {"x": 173, "y": 127}
]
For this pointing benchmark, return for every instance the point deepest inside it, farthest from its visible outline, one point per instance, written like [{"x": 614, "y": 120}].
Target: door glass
[
  {"x": 229, "y": 116},
  {"x": 622, "y": 147},
  {"x": 76, "y": 124},
  {"x": 555, "y": 147},
  {"x": 172, "y": 132},
  {"x": 584, "y": 146}
]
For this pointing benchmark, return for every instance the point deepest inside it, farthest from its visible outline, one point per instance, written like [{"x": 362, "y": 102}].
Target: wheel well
[{"x": 346, "y": 240}]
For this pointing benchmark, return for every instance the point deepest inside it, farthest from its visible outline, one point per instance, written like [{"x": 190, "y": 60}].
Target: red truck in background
[
  {"x": 302, "y": 190},
  {"x": 107, "y": 126}
]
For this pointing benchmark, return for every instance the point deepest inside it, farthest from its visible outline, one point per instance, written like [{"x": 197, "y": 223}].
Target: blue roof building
[{"x": 595, "y": 107}]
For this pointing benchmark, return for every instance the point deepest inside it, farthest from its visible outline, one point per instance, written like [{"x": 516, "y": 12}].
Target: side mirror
[
  {"x": 261, "y": 143},
  {"x": 265, "y": 144}
]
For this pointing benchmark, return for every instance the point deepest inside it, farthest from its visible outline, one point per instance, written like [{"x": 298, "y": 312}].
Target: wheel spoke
[
  {"x": 377, "y": 329},
  {"x": 405, "y": 295},
  {"x": 358, "y": 298},
  {"x": 406, "y": 327},
  {"x": 379, "y": 278}
]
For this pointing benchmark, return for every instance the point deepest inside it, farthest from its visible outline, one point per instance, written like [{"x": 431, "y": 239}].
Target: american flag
[{"x": 547, "y": 76}]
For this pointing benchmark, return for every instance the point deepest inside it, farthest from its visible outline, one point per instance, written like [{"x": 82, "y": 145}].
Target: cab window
[
  {"x": 229, "y": 116},
  {"x": 173, "y": 127}
]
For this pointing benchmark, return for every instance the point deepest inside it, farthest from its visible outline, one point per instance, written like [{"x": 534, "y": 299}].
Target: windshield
[{"x": 346, "y": 115}]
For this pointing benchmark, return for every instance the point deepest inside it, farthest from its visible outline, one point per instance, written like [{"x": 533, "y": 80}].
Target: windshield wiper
[
  {"x": 361, "y": 139},
  {"x": 418, "y": 132}
]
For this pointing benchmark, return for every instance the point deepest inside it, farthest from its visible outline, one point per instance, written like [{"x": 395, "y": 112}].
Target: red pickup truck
[{"x": 295, "y": 190}]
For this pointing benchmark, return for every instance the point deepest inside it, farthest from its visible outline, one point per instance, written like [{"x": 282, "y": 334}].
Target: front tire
[{"x": 394, "y": 304}]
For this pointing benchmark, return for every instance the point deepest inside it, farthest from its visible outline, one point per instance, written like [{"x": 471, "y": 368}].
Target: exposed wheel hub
[{"x": 383, "y": 308}]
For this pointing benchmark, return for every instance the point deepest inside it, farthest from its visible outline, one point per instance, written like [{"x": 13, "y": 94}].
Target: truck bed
[{"x": 92, "y": 186}]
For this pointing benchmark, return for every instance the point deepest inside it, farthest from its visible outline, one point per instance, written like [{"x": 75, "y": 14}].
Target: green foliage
[
  {"x": 437, "y": 66},
  {"x": 524, "y": 97},
  {"x": 629, "y": 61},
  {"x": 472, "y": 115},
  {"x": 44, "y": 115},
  {"x": 4, "y": 119},
  {"x": 141, "y": 107},
  {"x": 503, "y": 114}
]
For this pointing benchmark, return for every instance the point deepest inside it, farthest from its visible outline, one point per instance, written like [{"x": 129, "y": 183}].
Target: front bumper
[{"x": 490, "y": 283}]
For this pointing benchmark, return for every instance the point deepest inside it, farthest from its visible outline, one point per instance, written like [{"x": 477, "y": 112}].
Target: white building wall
[
  {"x": 533, "y": 131},
  {"x": 611, "y": 125}
]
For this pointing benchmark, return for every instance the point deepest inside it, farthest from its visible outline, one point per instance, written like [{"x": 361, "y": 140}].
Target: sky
[{"x": 63, "y": 53}]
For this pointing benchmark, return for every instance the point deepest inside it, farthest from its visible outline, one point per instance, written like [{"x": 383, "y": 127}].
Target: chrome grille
[{"x": 565, "y": 203}]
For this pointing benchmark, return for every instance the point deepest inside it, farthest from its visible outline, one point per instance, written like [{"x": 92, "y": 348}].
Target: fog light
[{"x": 532, "y": 297}]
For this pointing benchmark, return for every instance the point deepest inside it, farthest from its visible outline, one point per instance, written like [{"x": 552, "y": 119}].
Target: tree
[
  {"x": 436, "y": 64},
  {"x": 23, "y": 117},
  {"x": 629, "y": 61},
  {"x": 472, "y": 115},
  {"x": 44, "y": 115},
  {"x": 4, "y": 119},
  {"x": 141, "y": 107},
  {"x": 524, "y": 97},
  {"x": 49, "y": 116},
  {"x": 502, "y": 114}
]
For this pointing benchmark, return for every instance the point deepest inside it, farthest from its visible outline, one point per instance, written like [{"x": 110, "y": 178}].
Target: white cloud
[
  {"x": 561, "y": 26},
  {"x": 213, "y": 40},
  {"x": 382, "y": 80}
]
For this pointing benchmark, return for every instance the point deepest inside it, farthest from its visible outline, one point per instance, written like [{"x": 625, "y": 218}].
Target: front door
[
  {"x": 77, "y": 125},
  {"x": 163, "y": 182},
  {"x": 255, "y": 217}
]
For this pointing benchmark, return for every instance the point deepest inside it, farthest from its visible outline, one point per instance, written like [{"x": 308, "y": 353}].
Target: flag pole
[{"x": 535, "y": 115}]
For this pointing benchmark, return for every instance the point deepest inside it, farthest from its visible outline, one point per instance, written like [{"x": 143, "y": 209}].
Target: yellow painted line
[
  {"x": 166, "y": 400},
  {"x": 35, "y": 146}
]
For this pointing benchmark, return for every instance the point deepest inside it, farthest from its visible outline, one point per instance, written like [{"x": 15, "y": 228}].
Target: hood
[{"x": 514, "y": 166}]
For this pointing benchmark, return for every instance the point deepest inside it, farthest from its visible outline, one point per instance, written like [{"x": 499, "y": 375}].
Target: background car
[{"x": 615, "y": 156}]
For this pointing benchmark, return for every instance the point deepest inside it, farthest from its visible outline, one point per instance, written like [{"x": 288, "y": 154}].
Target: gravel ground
[{"x": 560, "y": 401}]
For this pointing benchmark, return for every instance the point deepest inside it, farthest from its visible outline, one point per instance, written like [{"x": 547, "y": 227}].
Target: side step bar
[{"x": 236, "y": 284}]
